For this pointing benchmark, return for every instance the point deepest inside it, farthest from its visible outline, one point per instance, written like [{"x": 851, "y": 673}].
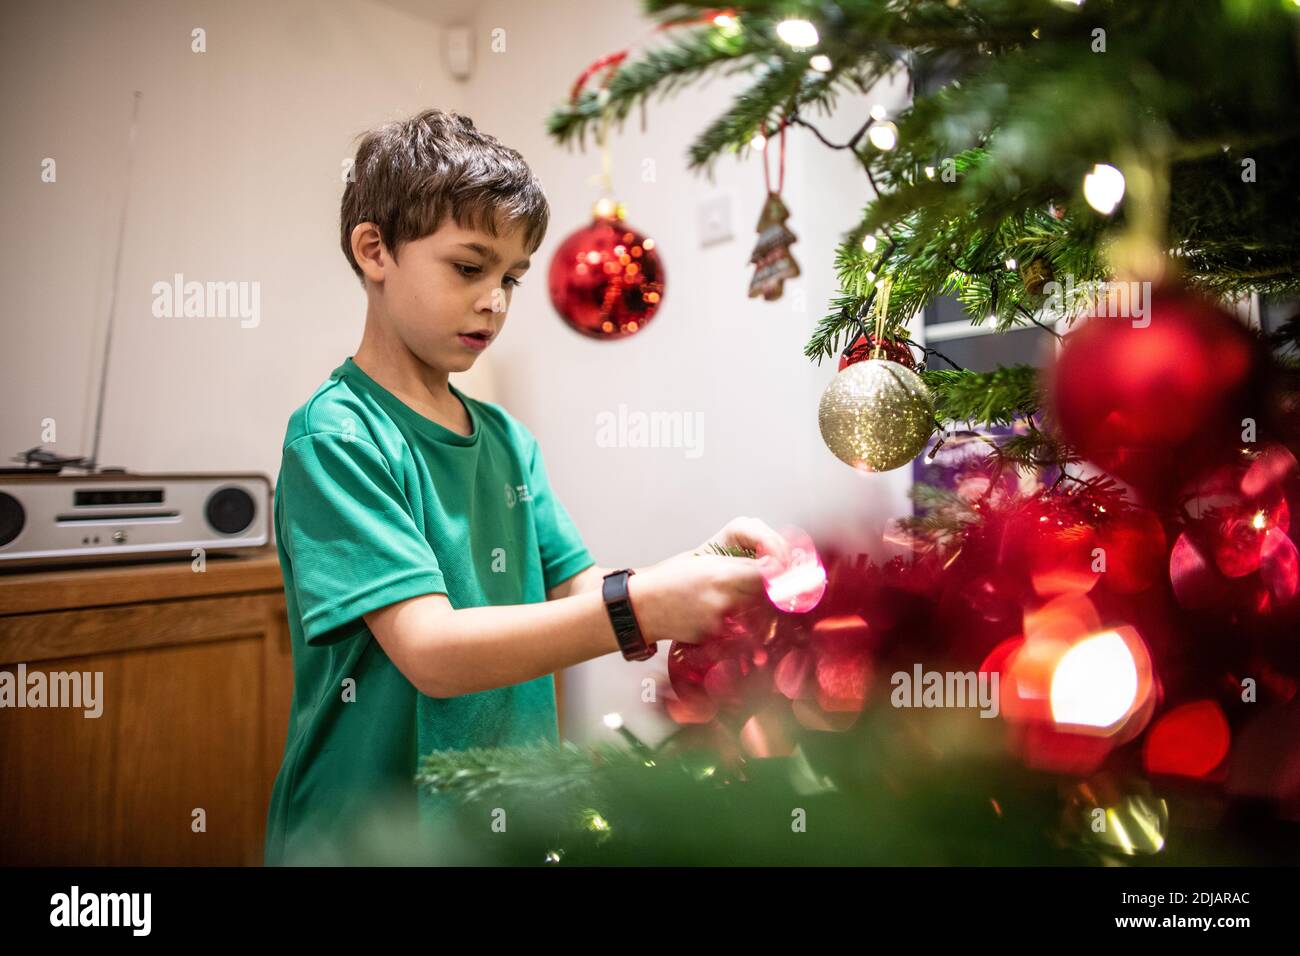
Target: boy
[{"x": 433, "y": 580}]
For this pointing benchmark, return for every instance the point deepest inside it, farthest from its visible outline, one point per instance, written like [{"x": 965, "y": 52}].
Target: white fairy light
[
  {"x": 800, "y": 34},
  {"x": 821, "y": 63},
  {"x": 1103, "y": 188},
  {"x": 869, "y": 243},
  {"x": 883, "y": 136}
]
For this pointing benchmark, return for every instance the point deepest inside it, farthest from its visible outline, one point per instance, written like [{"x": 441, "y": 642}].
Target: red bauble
[
  {"x": 606, "y": 279},
  {"x": 1236, "y": 551},
  {"x": 1156, "y": 400},
  {"x": 1135, "y": 547},
  {"x": 891, "y": 349},
  {"x": 1189, "y": 741}
]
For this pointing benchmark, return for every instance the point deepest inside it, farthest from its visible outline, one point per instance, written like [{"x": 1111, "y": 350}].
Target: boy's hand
[
  {"x": 688, "y": 597},
  {"x": 755, "y": 535}
]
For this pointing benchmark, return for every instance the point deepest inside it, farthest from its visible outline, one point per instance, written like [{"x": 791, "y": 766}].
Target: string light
[
  {"x": 759, "y": 141},
  {"x": 799, "y": 34},
  {"x": 1103, "y": 188},
  {"x": 614, "y": 721},
  {"x": 883, "y": 136},
  {"x": 821, "y": 63},
  {"x": 869, "y": 243}
]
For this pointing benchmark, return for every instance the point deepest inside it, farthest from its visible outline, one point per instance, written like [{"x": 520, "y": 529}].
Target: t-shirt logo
[{"x": 517, "y": 493}]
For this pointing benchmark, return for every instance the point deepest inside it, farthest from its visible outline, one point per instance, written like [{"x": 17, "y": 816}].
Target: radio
[{"x": 51, "y": 519}]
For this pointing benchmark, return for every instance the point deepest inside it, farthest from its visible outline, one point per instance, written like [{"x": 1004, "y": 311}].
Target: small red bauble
[
  {"x": 891, "y": 349},
  {"x": 606, "y": 279}
]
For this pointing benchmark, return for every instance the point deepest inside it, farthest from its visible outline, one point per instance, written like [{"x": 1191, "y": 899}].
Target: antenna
[
  {"x": 38, "y": 459},
  {"x": 93, "y": 462}
]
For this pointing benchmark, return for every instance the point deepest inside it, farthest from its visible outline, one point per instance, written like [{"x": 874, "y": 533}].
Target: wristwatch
[{"x": 619, "y": 605}]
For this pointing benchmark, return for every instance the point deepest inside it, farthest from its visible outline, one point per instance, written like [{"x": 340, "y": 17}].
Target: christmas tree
[{"x": 1106, "y": 540}]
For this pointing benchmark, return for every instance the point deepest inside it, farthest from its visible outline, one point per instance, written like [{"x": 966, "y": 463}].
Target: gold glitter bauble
[{"x": 876, "y": 415}]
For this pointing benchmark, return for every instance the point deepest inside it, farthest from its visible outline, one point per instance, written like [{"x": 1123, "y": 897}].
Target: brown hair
[{"x": 410, "y": 175}]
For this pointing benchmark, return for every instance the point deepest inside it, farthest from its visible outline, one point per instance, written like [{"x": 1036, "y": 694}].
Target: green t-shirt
[{"x": 374, "y": 504}]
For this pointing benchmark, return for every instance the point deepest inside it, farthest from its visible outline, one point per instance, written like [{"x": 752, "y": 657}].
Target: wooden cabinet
[{"x": 197, "y": 680}]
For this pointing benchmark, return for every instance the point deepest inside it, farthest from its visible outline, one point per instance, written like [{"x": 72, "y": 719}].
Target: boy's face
[{"x": 447, "y": 286}]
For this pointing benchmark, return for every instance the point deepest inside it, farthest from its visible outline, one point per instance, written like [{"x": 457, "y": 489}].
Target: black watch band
[{"x": 619, "y": 605}]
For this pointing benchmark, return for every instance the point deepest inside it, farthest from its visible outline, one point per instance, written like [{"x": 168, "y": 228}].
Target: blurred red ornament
[
  {"x": 1155, "y": 399},
  {"x": 1062, "y": 558},
  {"x": 1190, "y": 740},
  {"x": 1197, "y": 583},
  {"x": 1279, "y": 567},
  {"x": 1134, "y": 546},
  {"x": 1236, "y": 550},
  {"x": 891, "y": 349},
  {"x": 606, "y": 280},
  {"x": 842, "y": 669}
]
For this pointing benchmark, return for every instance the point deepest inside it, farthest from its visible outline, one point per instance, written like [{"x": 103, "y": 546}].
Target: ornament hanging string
[
  {"x": 780, "y": 176},
  {"x": 882, "y": 308},
  {"x": 610, "y": 64}
]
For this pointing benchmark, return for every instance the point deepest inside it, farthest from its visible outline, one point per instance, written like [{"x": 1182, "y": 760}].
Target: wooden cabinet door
[{"x": 178, "y": 767}]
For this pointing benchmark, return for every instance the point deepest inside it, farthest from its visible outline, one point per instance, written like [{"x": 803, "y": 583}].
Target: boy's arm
[
  {"x": 580, "y": 583},
  {"x": 740, "y": 532},
  {"x": 447, "y": 652}
]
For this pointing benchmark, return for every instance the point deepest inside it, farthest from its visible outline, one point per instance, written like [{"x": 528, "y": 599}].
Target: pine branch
[
  {"x": 729, "y": 550},
  {"x": 993, "y": 398},
  {"x": 544, "y": 769}
]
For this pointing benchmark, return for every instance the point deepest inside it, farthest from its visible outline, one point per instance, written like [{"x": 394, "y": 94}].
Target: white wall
[{"x": 237, "y": 178}]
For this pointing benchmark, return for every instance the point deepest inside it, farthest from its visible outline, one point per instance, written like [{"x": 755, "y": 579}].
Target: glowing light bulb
[
  {"x": 613, "y": 720},
  {"x": 878, "y": 112},
  {"x": 799, "y": 34},
  {"x": 1095, "y": 682},
  {"x": 883, "y": 136},
  {"x": 723, "y": 20},
  {"x": 821, "y": 63},
  {"x": 869, "y": 243},
  {"x": 1103, "y": 188},
  {"x": 759, "y": 141}
]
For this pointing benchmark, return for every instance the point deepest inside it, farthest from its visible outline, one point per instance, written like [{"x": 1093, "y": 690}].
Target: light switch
[{"x": 715, "y": 219}]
